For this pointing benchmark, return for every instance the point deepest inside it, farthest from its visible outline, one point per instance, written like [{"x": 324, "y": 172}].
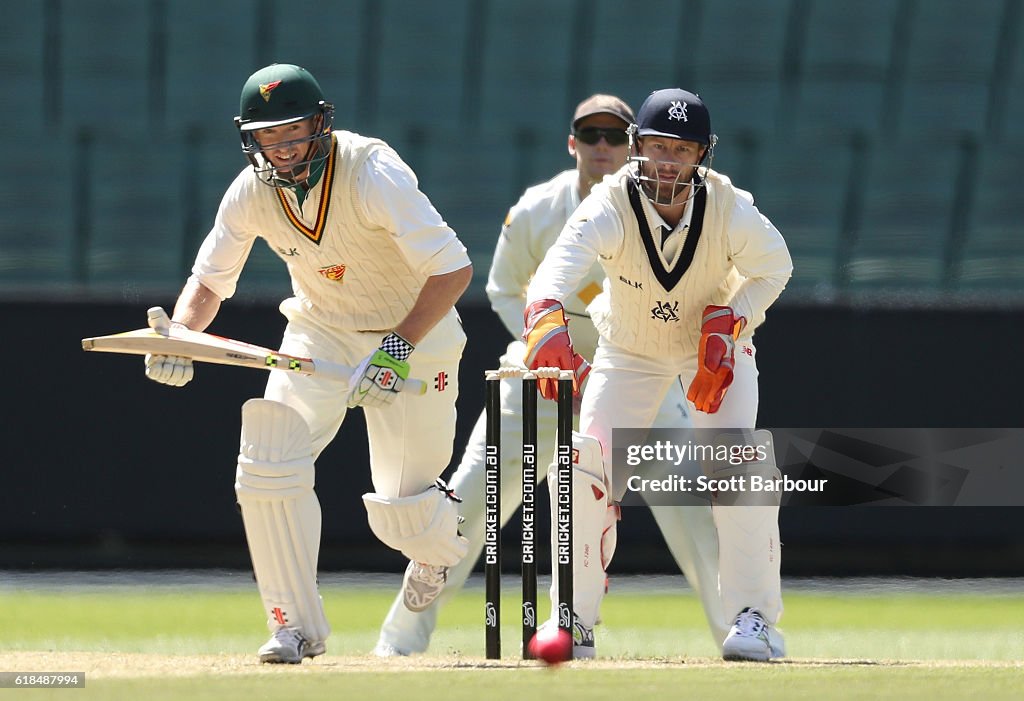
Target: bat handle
[
  {"x": 415, "y": 386},
  {"x": 158, "y": 320},
  {"x": 335, "y": 371}
]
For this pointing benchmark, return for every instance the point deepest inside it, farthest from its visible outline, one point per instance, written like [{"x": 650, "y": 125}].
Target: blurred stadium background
[{"x": 883, "y": 137}]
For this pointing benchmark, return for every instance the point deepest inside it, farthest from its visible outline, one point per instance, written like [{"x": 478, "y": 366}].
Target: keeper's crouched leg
[
  {"x": 750, "y": 558},
  {"x": 594, "y": 520},
  {"x": 281, "y": 514}
]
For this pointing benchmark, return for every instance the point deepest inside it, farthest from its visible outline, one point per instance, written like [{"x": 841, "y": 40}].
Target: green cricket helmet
[{"x": 277, "y": 95}]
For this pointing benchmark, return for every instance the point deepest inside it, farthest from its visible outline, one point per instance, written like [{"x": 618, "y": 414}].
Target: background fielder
[
  {"x": 691, "y": 268},
  {"x": 375, "y": 273},
  {"x": 598, "y": 143}
]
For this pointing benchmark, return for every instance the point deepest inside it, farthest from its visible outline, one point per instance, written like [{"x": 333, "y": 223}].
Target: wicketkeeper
[
  {"x": 598, "y": 142},
  {"x": 691, "y": 268}
]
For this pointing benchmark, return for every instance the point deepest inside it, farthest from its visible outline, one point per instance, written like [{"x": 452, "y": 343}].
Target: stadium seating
[
  {"x": 630, "y": 55},
  {"x": 137, "y": 210},
  {"x": 471, "y": 186},
  {"x": 950, "y": 64},
  {"x": 107, "y": 66},
  {"x": 212, "y": 159},
  {"x": 1008, "y": 119},
  {"x": 803, "y": 189},
  {"x": 737, "y": 54},
  {"x": 993, "y": 250},
  {"x": 527, "y": 86},
  {"x": 334, "y": 42},
  {"x": 909, "y": 192},
  {"x": 844, "y": 66},
  {"x": 38, "y": 202},
  {"x": 22, "y": 62},
  {"x": 421, "y": 60},
  {"x": 853, "y": 124},
  {"x": 208, "y": 61}
]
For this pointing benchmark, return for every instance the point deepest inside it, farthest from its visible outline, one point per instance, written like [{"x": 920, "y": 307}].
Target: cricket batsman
[{"x": 375, "y": 275}]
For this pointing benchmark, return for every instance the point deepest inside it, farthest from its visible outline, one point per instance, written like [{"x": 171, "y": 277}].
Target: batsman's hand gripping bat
[{"x": 161, "y": 339}]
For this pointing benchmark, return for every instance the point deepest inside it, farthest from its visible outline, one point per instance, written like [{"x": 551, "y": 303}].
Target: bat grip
[
  {"x": 415, "y": 386},
  {"x": 158, "y": 321},
  {"x": 343, "y": 372}
]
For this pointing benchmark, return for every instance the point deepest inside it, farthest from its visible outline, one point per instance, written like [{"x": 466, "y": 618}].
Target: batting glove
[
  {"x": 167, "y": 369},
  {"x": 716, "y": 357},
  {"x": 381, "y": 376},
  {"x": 548, "y": 345}
]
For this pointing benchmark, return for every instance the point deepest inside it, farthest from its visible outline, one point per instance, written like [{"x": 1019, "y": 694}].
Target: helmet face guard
[
  {"x": 275, "y": 96},
  {"x": 673, "y": 114},
  {"x": 317, "y": 151},
  {"x": 664, "y": 181}
]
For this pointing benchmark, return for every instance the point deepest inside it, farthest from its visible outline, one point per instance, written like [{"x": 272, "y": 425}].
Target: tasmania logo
[
  {"x": 334, "y": 272},
  {"x": 441, "y": 381},
  {"x": 267, "y": 88}
]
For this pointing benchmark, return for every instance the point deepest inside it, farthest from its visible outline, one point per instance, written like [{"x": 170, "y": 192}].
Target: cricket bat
[{"x": 208, "y": 348}]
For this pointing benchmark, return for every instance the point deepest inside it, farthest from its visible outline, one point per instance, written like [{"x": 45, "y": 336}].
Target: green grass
[
  {"x": 636, "y": 625},
  {"x": 777, "y": 682},
  {"x": 901, "y": 645}
]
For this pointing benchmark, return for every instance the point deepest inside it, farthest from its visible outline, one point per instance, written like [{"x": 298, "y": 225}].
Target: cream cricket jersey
[
  {"x": 358, "y": 249},
  {"x": 730, "y": 255},
  {"x": 530, "y": 229}
]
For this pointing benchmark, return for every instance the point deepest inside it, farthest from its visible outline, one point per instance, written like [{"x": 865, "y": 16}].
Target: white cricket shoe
[
  {"x": 383, "y": 649},
  {"x": 422, "y": 585},
  {"x": 583, "y": 647},
  {"x": 752, "y": 639},
  {"x": 289, "y": 646}
]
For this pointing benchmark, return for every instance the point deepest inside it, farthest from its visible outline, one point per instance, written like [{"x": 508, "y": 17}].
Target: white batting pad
[
  {"x": 590, "y": 537},
  {"x": 689, "y": 531},
  {"x": 609, "y": 534},
  {"x": 423, "y": 527},
  {"x": 750, "y": 554},
  {"x": 749, "y": 560},
  {"x": 281, "y": 513}
]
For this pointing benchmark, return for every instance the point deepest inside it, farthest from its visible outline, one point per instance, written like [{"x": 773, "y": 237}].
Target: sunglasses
[{"x": 592, "y": 135}]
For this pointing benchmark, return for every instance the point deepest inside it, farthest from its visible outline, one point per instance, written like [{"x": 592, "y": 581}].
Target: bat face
[
  {"x": 208, "y": 348},
  {"x": 197, "y": 346}
]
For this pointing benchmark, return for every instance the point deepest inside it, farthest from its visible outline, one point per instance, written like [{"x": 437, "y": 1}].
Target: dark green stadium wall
[{"x": 103, "y": 468}]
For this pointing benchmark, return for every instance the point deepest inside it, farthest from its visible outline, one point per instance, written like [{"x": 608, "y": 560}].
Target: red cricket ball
[{"x": 552, "y": 645}]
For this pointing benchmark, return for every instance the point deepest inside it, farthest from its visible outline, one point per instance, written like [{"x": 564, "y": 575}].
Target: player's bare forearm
[
  {"x": 197, "y": 306},
  {"x": 438, "y": 296}
]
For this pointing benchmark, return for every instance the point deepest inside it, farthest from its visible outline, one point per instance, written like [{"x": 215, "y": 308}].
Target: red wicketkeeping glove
[
  {"x": 715, "y": 357},
  {"x": 546, "y": 333}
]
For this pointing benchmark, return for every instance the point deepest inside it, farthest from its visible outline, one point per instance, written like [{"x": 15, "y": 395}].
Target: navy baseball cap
[{"x": 675, "y": 113}]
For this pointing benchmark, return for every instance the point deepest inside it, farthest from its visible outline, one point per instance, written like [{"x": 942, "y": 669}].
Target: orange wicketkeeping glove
[
  {"x": 546, "y": 333},
  {"x": 715, "y": 357}
]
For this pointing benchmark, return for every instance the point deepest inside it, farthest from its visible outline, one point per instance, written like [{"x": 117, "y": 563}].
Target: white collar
[{"x": 655, "y": 219}]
